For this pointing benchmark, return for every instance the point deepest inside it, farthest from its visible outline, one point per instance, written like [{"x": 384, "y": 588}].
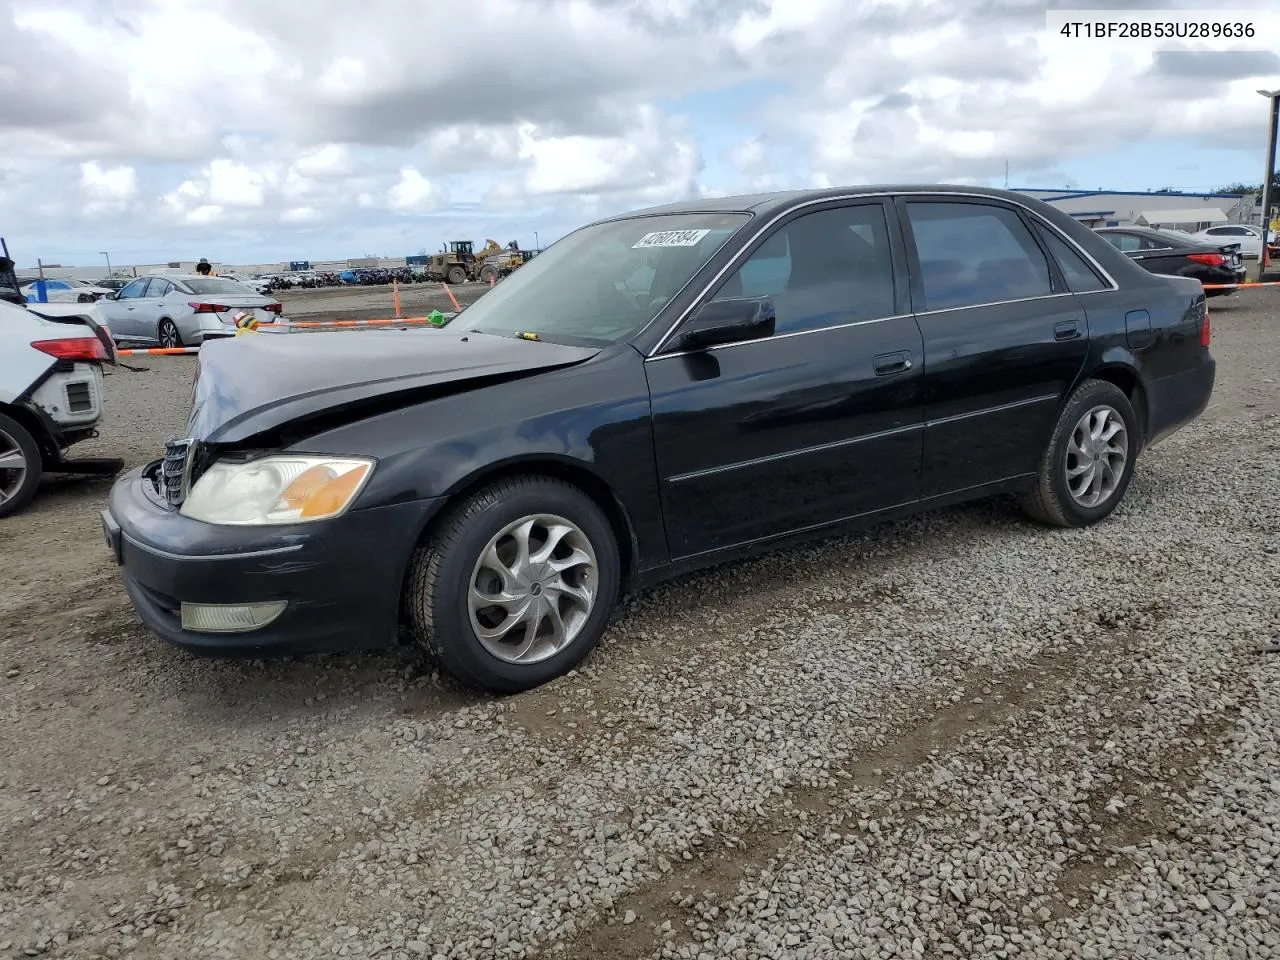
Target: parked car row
[
  {"x": 182, "y": 310},
  {"x": 1179, "y": 254},
  {"x": 62, "y": 291}
]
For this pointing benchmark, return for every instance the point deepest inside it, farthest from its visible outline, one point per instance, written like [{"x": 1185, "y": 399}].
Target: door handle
[
  {"x": 1067, "y": 330},
  {"x": 890, "y": 363}
]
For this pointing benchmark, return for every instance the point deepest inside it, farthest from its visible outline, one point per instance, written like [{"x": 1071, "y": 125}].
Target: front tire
[
  {"x": 20, "y": 466},
  {"x": 516, "y": 586},
  {"x": 1089, "y": 462}
]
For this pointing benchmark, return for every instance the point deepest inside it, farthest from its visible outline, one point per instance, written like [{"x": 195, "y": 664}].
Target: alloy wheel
[
  {"x": 533, "y": 588},
  {"x": 1097, "y": 452},
  {"x": 13, "y": 467}
]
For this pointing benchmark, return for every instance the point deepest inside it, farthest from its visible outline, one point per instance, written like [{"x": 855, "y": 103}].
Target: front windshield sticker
[{"x": 670, "y": 238}]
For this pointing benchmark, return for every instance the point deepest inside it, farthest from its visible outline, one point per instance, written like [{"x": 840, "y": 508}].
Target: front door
[
  {"x": 1004, "y": 339},
  {"x": 818, "y": 423},
  {"x": 123, "y": 318}
]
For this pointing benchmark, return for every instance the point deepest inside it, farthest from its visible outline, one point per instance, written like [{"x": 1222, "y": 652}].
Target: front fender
[{"x": 592, "y": 419}]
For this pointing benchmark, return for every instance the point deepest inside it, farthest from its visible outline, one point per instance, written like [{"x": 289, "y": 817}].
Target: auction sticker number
[{"x": 671, "y": 238}]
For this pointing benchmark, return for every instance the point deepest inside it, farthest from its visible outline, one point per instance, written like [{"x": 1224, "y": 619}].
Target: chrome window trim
[{"x": 738, "y": 258}]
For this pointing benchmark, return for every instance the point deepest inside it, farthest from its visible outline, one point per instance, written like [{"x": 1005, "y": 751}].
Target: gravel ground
[
  {"x": 958, "y": 735},
  {"x": 371, "y": 303}
]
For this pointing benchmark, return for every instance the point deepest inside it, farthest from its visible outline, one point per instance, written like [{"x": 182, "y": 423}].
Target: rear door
[
  {"x": 818, "y": 423},
  {"x": 1003, "y": 340}
]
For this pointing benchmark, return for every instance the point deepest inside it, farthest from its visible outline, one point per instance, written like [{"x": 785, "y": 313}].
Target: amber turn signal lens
[
  {"x": 307, "y": 483},
  {"x": 333, "y": 496}
]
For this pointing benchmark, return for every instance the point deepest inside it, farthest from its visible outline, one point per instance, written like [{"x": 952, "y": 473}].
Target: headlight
[{"x": 277, "y": 489}]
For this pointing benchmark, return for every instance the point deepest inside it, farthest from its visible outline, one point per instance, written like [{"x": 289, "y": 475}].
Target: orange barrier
[
  {"x": 457, "y": 306},
  {"x": 158, "y": 351},
  {"x": 396, "y": 321},
  {"x": 395, "y": 295},
  {"x": 1237, "y": 286}
]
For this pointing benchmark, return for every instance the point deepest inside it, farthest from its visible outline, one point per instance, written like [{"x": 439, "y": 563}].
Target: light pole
[
  {"x": 1274, "y": 97},
  {"x": 108, "y": 256},
  {"x": 536, "y": 245}
]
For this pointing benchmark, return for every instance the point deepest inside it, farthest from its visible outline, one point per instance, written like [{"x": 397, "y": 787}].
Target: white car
[
  {"x": 1249, "y": 238},
  {"x": 50, "y": 398},
  {"x": 182, "y": 310},
  {"x": 65, "y": 291}
]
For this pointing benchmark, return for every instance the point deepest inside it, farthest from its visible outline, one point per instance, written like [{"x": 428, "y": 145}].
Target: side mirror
[
  {"x": 728, "y": 321},
  {"x": 113, "y": 295}
]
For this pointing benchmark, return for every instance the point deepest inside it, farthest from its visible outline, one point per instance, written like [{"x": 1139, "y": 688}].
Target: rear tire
[
  {"x": 457, "y": 275},
  {"x": 18, "y": 483},
  {"x": 547, "y": 612},
  {"x": 1089, "y": 462},
  {"x": 169, "y": 336},
  {"x": 488, "y": 274}
]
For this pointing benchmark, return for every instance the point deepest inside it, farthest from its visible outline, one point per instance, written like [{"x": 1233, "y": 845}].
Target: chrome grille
[{"x": 174, "y": 471}]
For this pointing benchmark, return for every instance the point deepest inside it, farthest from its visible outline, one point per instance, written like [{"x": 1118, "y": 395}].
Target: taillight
[
  {"x": 1205, "y": 333},
  {"x": 1208, "y": 259},
  {"x": 276, "y": 308},
  {"x": 208, "y": 307},
  {"x": 76, "y": 348}
]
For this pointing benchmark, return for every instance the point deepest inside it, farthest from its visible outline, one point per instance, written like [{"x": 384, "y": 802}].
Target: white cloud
[
  {"x": 107, "y": 189},
  {"x": 414, "y": 193},
  {"x": 263, "y": 121}
]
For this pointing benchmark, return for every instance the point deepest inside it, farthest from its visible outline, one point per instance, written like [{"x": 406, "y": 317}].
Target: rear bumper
[
  {"x": 1176, "y": 400},
  {"x": 341, "y": 579}
]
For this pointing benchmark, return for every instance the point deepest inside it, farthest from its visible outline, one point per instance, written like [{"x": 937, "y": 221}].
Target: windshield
[
  {"x": 215, "y": 285},
  {"x": 602, "y": 284}
]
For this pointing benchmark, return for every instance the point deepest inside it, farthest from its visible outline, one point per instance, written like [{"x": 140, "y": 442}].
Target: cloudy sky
[{"x": 264, "y": 130}]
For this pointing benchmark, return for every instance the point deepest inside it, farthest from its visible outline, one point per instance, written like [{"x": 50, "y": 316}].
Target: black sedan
[
  {"x": 728, "y": 376},
  {"x": 1166, "y": 252}
]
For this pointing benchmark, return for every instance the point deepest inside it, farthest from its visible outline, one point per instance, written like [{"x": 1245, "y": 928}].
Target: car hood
[{"x": 256, "y": 383}]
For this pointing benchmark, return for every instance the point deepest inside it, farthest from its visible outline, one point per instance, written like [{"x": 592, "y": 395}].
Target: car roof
[
  {"x": 183, "y": 276},
  {"x": 778, "y": 201}
]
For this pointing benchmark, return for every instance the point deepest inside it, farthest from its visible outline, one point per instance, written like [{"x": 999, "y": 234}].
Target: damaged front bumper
[{"x": 259, "y": 591}]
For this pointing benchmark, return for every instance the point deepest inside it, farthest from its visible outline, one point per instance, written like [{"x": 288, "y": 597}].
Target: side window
[
  {"x": 1123, "y": 241},
  {"x": 134, "y": 288},
  {"x": 1080, "y": 277},
  {"x": 56, "y": 285},
  {"x": 159, "y": 288},
  {"x": 822, "y": 269},
  {"x": 973, "y": 253},
  {"x": 1150, "y": 243}
]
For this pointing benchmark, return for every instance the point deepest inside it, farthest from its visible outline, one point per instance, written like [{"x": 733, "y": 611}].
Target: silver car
[{"x": 182, "y": 310}]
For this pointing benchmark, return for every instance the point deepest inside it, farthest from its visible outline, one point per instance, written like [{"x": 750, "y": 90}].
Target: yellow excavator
[{"x": 495, "y": 262}]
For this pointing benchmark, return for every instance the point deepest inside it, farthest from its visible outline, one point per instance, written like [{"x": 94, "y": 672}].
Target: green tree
[{"x": 1250, "y": 187}]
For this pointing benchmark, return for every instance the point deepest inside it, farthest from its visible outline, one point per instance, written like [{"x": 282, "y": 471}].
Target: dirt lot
[
  {"x": 960, "y": 735},
  {"x": 373, "y": 303}
]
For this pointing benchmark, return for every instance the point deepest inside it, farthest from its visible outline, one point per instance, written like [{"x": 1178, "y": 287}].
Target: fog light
[{"x": 230, "y": 617}]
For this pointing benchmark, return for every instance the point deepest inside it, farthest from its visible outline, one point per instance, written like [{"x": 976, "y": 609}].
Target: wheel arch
[
  {"x": 25, "y": 417},
  {"x": 1126, "y": 377},
  {"x": 568, "y": 470}
]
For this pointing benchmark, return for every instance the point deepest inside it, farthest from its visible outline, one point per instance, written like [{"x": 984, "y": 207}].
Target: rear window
[{"x": 215, "y": 285}]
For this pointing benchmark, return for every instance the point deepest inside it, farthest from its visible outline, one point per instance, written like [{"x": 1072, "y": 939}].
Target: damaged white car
[{"x": 50, "y": 397}]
